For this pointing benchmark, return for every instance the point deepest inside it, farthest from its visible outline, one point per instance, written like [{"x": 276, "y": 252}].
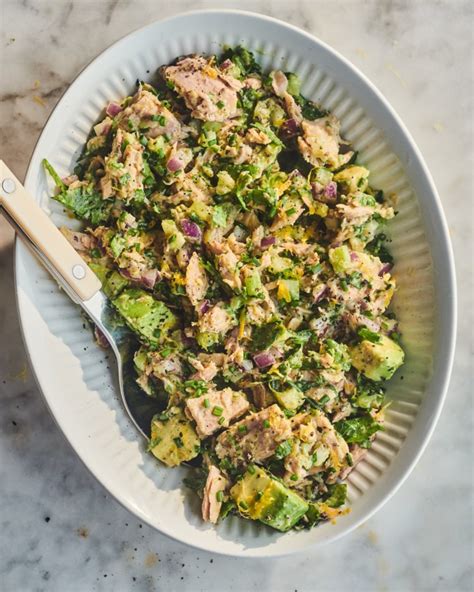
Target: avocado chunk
[
  {"x": 173, "y": 438},
  {"x": 174, "y": 236},
  {"x": 261, "y": 497},
  {"x": 100, "y": 271},
  {"x": 379, "y": 360},
  {"x": 253, "y": 284},
  {"x": 279, "y": 264},
  {"x": 353, "y": 178},
  {"x": 269, "y": 334},
  {"x": 207, "y": 339},
  {"x": 112, "y": 282},
  {"x": 149, "y": 318},
  {"x": 290, "y": 398},
  {"x": 340, "y": 259}
]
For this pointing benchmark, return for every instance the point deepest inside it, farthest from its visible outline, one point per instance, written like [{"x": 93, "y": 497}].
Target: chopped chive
[
  {"x": 221, "y": 420},
  {"x": 350, "y": 460},
  {"x": 220, "y": 495},
  {"x": 163, "y": 417},
  {"x": 244, "y": 505},
  {"x": 259, "y": 495},
  {"x": 178, "y": 442},
  {"x": 243, "y": 429},
  {"x": 266, "y": 423},
  {"x": 217, "y": 410},
  {"x": 251, "y": 469},
  {"x": 294, "y": 477},
  {"x": 206, "y": 403},
  {"x": 220, "y": 104},
  {"x": 323, "y": 400},
  {"x": 159, "y": 118}
]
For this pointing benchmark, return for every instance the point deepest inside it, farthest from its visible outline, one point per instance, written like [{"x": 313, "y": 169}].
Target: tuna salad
[{"x": 239, "y": 238}]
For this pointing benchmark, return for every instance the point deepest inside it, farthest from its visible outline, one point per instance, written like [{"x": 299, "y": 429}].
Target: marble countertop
[{"x": 60, "y": 531}]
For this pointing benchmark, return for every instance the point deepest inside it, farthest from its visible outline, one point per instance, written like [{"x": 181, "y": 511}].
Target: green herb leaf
[
  {"x": 283, "y": 449},
  {"x": 368, "y": 335},
  {"x": 358, "y": 430},
  {"x": 337, "y": 495}
]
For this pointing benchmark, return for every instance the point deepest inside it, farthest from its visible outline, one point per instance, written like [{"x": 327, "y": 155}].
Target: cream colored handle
[{"x": 45, "y": 236}]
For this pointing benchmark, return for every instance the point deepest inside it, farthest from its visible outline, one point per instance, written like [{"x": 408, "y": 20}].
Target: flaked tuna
[
  {"x": 216, "y": 409},
  {"x": 210, "y": 94}
]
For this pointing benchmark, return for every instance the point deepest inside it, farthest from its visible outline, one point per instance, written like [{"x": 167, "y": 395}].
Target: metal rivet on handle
[
  {"x": 8, "y": 185},
  {"x": 79, "y": 272}
]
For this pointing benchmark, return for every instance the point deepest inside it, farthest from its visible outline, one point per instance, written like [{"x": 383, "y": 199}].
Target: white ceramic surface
[{"x": 71, "y": 371}]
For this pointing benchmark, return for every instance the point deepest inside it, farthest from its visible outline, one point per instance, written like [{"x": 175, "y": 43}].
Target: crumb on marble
[
  {"x": 373, "y": 537},
  {"x": 37, "y": 99},
  {"x": 438, "y": 126},
  {"x": 361, "y": 53},
  {"x": 22, "y": 374},
  {"x": 151, "y": 559},
  {"x": 82, "y": 532}
]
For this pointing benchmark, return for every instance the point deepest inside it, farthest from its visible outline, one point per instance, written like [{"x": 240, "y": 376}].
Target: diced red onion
[
  {"x": 289, "y": 128},
  {"x": 150, "y": 277},
  {"x": 191, "y": 230},
  {"x": 354, "y": 256},
  {"x": 204, "y": 306},
  {"x": 320, "y": 294},
  {"x": 330, "y": 191},
  {"x": 386, "y": 267},
  {"x": 113, "y": 109},
  {"x": 264, "y": 359},
  {"x": 226, "y": 64},
  {"x": 174, "y": 164},
  {"x": 267, "y": 241},
  {"x": 101, "y": 338}
]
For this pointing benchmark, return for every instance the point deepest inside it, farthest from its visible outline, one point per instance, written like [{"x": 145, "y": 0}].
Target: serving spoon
[{"x": 80, "y": 283}]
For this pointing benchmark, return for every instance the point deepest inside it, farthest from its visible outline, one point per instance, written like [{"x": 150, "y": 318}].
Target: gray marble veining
[{"x": 60, "y": 531}]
